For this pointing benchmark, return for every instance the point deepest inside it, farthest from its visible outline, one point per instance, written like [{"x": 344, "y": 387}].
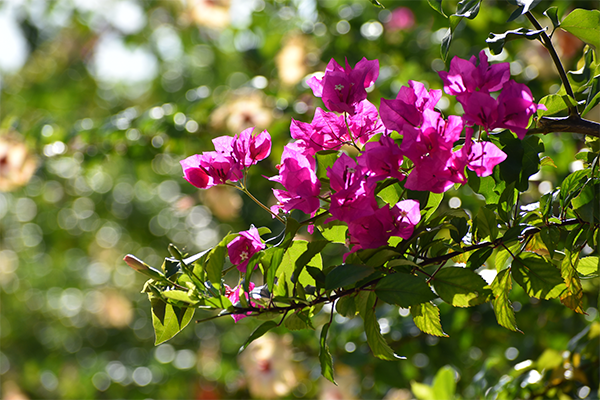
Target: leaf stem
[{"x": 243, "y": 189}]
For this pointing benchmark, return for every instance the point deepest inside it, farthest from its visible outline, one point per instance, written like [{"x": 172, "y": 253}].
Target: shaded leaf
[
  {"x": 346, "y": 274},
  {"x": 496, "y": 41},
  {"x": 540, "y": 278},
  {"x": 552, "y": 14},
  {"x": 325, "y": 356},
  {"x": 479, "y": 257},
  {"x": 375, "y": 339},
  {"x": 258, "y": 332},
  {"x": 437, "y": 6},
  {"x": 461, "y": 287},
  {"x": 404, "y": 290}
]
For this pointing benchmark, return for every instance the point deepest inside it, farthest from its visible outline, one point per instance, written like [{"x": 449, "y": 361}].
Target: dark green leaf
[
  {"x": 298, "y": 321},
  {"x": 496, "y": 41},
  {"x": 427, "y": 318},
  {"x": 437, "y": 6},
  {"x": 377, "y": 3},
  {"x": 461, "y": 287},
  {"x": 552, "y": 13},
  {"x": 479, "y": 257},
  {"x": 572, "y": 185},
  {"x": 346, "y": 274},
  {"x": 168, "y": 320},
  {"x": 258, "y": 332},
  {"x": 485, "y": 186},
  {"x": 325, "y": 356},
  {"x": 485, "y": 224},
  {"x": 550, "y": 236},
  {"x": 593, "y": 98},
  {"x": 505, "y": 315},
  {"x": 586, "y": 203},
  {"x": 271, "y": 261},
  {"x": 462, "y": 227},
  {"x": 523, "y": 7},
  {"x": 540, "y": 278},
  {"x": 214, "y": 265},
  {"x": 375, "y": 339},
  {"x": 585, "y": 24},
  {"x": 404, "y": 290},
  {"x": 467, "y": 8},
  {"x": 346, "y": 307}
]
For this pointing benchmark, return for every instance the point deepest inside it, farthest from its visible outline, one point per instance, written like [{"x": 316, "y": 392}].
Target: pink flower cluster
[
  {"x": 231, "y": 156},
  {"x": 435, "y": 145}
]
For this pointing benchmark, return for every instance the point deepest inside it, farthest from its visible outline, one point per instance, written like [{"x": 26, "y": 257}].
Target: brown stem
[{"x": 572, "y": 124}]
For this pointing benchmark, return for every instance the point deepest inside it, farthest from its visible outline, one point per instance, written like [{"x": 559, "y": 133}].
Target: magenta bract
[{"x": 243, "y": 247}]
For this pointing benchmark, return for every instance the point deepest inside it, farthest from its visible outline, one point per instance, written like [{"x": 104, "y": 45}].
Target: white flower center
[
  {"x": 244, "y": 255},
  {"x": 339, "y": 87}
]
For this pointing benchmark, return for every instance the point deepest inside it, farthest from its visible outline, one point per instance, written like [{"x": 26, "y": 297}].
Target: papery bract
[
  {"x": 407, "y": 215},
  {"x": 408, "y": 107},
  {"x": 194, "y": 173},
  {"x": 515, "y": 108},
  {"x": 465, "y": 76},
  {"x": 243, "y": 247},
  {"x": 297, "y": 173},
  {"x": 372, "y": 231},
  {"x": 343, "y": 88},
  {"x": 381, "y": 160},
  {"x": 249, "y": 149},
  {"x": 327, "y": 131},
  {"x": 483, "y": 157},
  {"x": 353, "y": 198},
  {"x": 365, "y": 123},
  {"x": 234, "y": 296}
]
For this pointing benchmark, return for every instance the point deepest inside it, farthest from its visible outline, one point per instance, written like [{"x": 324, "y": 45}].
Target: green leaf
[
  {"x": 554, "y": 104},
  {"x": 447, "y": 39},
  {"x": 586, "y": 202},
  {"x": 467, "y": 8},
  {"x": 552, "y": 13},
  {"x": 505, "y": 315},
  {"x": 178, "y": 295},
  {"x": 258, "y": 332},
  {"x": 593, "y": 98},
  {"x": 421, "y": 391},
  {"x": 427, "y": 318},
  {"x": 550, "y": 236},
  {"x": 572, "y": 185},
  {"x": 485, "y": 186},
  {"x": 271, "y": 261},
  {"x": 547, "y": 161},
  {"x": 325, "y": 356},
  {"x": 485, "y": 224},
  {"x": 540, "y": 278},
  {"x": 461, "y": 287},
  {"x": 375, "y": 339},
  {"x": 585, "y": 24},
  {"x": 523, "y": 7},
  {"x": 289, "y": 264},
  {"x": 325, "y": 159},
  {"x": 214, "y": 265},
  {"x": 496, "y": 41},
  {"x": 168, "y": 320},
  {"x": 479, "y": 257},
  {"x": 298, "y": 321},
  {"x": 390, "y": 194},
  {"x": 346, "y": 274},
  {"x": 433, "y": 202},
  {"x": 377, "y": 3},
  {"x": 437, "y": 6},
  {"x": 573, "y": 296},
  {"x": 335, "y": 233},
  {"x": 588, "y": 266},
  {"x": 404, "y": 290},
  {"x": 313, "y": 248},
  {"x": 346, "y": 307},
  {"x": 444, "y": 384}
]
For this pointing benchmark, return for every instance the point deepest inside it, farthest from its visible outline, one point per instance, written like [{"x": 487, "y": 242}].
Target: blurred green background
[{"x": 101, "y": 99}]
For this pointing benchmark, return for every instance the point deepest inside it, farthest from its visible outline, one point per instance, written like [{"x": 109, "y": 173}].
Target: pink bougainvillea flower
[
  {"x": 480, "y": 109},
  {"x": 372, "y": 231},
  {"x": 408, "y": 107},
  {"x": 465, "y": 76},
  {"x": 483, "y": 157},
  {"x": 210, "y": 169},
  {"x": 381, "y": 160},
  {"x": 436, "y": 134},
  {"x": 234, "y": 296},
  {"x": 437, "y": 172},
  {"x": 243, "y": 247},
  {"x": 327, "y": 131},
  {"x": 249, "y": 149},
  {"x": 297, "y": 173},
  {"x": 515, "y": 108},
  {"x": 407, "y": 215},
  {"x": 343, "y": 88},
  {"x": 352, "y": 198},
  {"x": 365, "y": 123},
  {"x": 402, "y": 18}
]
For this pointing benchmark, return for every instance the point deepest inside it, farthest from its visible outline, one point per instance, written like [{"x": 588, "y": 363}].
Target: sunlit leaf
[
  {"x": 168, "y": 320},
  {"x": 325, "y": 355}
]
